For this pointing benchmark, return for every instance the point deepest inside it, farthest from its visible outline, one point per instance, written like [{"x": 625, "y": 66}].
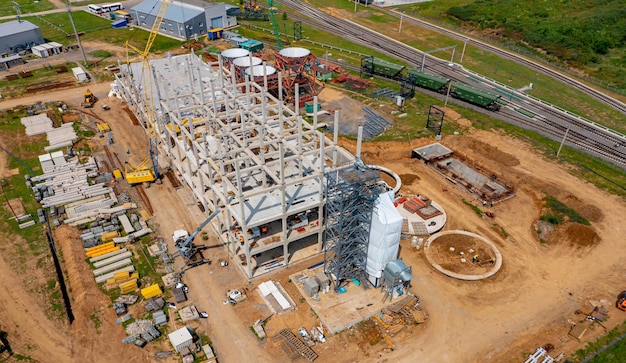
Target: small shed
[
  {"x": 80, "y": 74},
  {"x": 252, "y": 45},
  {"x": 216, "y": 33},
  {"x": 10, "y": 61},
  {"x": 120, "y": 23},
  {"x": 40, "y": 51},
  {"x": 179, "y": 295},
  {"x": 180, "y": 338},
  {"x": 236, "y": 41}
]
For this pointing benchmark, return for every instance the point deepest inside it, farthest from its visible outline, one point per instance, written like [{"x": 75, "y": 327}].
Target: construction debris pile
[
  {"x": 405, "y": 312},
  {"x": 294, "y": 347},
  {"x": 141, "y": 332}
]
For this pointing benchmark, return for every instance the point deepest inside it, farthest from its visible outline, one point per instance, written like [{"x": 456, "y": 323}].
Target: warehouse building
[
  {"x": 183, "y": 20},
  {"x": 18, "y": 35}
]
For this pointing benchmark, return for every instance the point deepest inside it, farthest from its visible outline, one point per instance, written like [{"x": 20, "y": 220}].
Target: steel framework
[{"x": 350, "y": 193}]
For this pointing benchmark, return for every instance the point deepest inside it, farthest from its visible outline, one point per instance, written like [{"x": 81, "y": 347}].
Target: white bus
[
  {"x": 95, "y": 9},
  {"x": 112, "y": 7}
]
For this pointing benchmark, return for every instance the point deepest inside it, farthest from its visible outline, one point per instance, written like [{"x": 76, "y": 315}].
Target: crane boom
[
  {"x": 276, "y": 30},
  {"x": 146, "y": 77},
  {"x": 184, "y": 244}
]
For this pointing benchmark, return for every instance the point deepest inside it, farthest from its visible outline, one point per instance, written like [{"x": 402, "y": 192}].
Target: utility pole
[
  {"x": 562, "y": 142},
  {"x": 463, "y": 52},
  {"x": 69, "y": 12},
  {"x": 18, "y": 11},
  {"x": 448, "y": 94},
  {"x": 400, "y": 27}
]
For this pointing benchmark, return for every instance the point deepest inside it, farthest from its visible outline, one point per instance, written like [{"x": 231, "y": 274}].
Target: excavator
[
  {"x": 185, "y": 247},
  {"x": 621, "y": 301},
  {"x": 90, "y": 99}
]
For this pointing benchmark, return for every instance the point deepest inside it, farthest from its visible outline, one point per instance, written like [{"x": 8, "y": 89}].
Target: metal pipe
[{"x": 358, "y": 142}]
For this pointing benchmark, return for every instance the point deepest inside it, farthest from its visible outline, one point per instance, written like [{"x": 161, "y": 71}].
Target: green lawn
[
  {"x": 614, "y": 354},
  {"x": 583, "y": 33},
  {"x": 41, "y": 76},
  {"x": 26, "y": 6}
]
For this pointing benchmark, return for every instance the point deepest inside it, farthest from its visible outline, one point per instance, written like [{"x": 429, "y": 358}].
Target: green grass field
[{"x": 26, "y": 7}]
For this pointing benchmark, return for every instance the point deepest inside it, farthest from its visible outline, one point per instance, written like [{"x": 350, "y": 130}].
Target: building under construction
[{"x": 241, "y": 150}]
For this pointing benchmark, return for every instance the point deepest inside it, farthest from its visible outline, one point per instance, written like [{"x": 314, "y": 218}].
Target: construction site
[{"x": 218, "y": 212}]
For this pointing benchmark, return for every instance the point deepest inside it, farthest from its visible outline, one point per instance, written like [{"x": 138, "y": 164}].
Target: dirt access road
[{"x": 232, "y": 341}]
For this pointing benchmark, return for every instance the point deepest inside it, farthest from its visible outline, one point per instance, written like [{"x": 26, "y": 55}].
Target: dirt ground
[
  {"x": 441, "y": 253},
  {"x": 525, "y": 305}
]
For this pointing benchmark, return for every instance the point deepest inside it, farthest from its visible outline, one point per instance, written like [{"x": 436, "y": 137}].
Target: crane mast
[
  {"x": 146, "y": 78},
  {"x": 275, "y": 29}
]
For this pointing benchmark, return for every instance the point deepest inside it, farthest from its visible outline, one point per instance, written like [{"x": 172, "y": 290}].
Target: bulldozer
[{"x": 90, "y": 99}]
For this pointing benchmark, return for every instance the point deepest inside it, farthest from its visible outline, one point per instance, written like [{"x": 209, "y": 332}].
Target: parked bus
[
  {"x": 95, "y": 9},
  {"x": 107, "y": 8}
]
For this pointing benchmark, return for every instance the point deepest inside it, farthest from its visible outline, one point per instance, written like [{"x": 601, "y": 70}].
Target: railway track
[
  {"x": 546, "y": 119},
  {"x": 608, "y": 100}
]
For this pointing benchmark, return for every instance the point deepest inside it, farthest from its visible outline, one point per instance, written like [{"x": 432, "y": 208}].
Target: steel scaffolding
[{"x": 350, "y": 193}]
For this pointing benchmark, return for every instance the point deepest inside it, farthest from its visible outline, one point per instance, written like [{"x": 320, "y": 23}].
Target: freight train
[{"x": 431, "y": 82}]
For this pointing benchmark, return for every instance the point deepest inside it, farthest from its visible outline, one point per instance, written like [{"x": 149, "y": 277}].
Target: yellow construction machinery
[
  {"x": 142, "y": 173},
  {"x": 90, "y": 99},
  {"x": 147, "y": 171}
]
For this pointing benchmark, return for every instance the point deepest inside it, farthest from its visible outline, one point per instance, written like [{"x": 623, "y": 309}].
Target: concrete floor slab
[{"x": 341, "y": 311}]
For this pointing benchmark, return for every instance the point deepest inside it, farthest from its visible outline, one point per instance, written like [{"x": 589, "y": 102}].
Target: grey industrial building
[
  {"x": 18, "y": 35},
  {"x": 184, "y": 20}
]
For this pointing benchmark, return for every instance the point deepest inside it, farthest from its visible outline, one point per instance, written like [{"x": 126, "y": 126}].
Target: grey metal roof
[
  {"x": 16, "y": 27},
  {"x": 176, "y": 11}
]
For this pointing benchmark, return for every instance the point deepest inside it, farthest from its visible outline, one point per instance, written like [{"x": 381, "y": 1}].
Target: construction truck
[
  {"x": 621, "y": 301},
  {"x": 90, "y": 99},
  {"x": 185, "y": 247}
]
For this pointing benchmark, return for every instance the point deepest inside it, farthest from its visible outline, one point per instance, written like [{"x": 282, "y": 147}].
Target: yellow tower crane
[{"x": 147, "y": 171}]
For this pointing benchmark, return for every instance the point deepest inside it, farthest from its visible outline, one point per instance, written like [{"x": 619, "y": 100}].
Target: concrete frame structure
[{"x": 241, "y": 150}]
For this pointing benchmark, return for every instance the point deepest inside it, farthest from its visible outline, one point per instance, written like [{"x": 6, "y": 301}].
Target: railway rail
[
  {"x": 547, "y": 119},
  {"x": 608, "y": 100}
]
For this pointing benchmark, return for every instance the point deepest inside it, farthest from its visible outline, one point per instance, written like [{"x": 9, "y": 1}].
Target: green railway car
[
  {"x": 427, "y": 80},
  {"x": 383, "y": 68},
  {"x": 476, "y": 96}
]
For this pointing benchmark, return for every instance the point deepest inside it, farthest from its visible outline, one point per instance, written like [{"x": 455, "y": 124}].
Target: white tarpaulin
[{"x": 384, "y": 235}]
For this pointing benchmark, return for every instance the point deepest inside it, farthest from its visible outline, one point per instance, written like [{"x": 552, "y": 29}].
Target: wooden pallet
[{"x": 297, "y": 345}]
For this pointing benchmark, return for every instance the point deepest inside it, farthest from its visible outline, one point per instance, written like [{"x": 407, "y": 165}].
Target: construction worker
[
  {"x": 475, "y": 258},
  {"x": 493, "y": 260}
]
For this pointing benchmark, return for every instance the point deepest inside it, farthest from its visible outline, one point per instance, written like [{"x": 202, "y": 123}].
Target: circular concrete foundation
[{"x": 435, "y": 259}]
